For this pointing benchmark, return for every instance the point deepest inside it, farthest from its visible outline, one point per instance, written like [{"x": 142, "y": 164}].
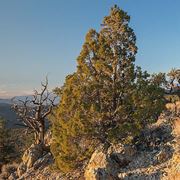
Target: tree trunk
[{"x": 41, "y": 135}]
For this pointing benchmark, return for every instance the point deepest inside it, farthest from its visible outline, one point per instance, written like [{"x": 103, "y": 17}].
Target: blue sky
[{"x": 45, "y": 37}]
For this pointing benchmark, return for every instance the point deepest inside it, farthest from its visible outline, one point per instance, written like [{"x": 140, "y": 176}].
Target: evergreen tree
[{"x": 107, "y": 99}]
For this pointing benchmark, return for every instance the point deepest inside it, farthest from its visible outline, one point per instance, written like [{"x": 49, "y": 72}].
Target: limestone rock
[
  {"x": 156, "y": 156},
  {"x": 176, "y": 126},
  {"x": 48, "y": 138},
  {"x": 164, "y": 154},
  {"x": 32, "y": 154},
  {"x": 97, "y": 165},
  {"x": 43, "y": 161},
  {"x": 13, "y": 176},
  {"x": 105, "y": 164},
  {"x": 21, "y": 169}
]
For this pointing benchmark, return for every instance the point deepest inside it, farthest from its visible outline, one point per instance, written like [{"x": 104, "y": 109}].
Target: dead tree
[{"x": 33, "y": 112}]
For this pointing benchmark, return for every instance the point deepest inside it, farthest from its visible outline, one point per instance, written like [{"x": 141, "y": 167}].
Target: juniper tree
[{"x": 107, "y": 99}]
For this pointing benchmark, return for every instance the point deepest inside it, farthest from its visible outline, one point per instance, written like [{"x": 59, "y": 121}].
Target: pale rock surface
[
  {"x": 21, "y": 169},
  {"x": 32, "y": 154},
  {"x": 155, "y": 155},
  {"x": 106, "y": 164}
]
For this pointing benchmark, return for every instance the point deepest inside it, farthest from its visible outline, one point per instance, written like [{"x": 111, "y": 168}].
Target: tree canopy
[{"x": 107, "y": 99}]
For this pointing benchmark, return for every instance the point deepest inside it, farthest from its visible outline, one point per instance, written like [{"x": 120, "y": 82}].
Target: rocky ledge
[{"x": 153, "y": 155}]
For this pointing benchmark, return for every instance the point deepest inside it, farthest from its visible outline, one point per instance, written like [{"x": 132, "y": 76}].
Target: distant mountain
[
  {"x": 9, "y": 101},
  {"x": 8, "y": 114},
  {"x": 5, "y": 101}
]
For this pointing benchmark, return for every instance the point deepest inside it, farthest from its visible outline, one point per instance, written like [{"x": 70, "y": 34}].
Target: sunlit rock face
[
  {"x": 105, "y": 164},
  {"x": 155, "y": 154}
]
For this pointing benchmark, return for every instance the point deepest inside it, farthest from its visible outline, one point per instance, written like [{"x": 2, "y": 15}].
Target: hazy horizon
[{"x": 40, "y": 38}]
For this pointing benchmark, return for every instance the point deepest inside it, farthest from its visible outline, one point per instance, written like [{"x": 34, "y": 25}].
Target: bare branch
[
  {"x": 50, "y": 107},
  {"x": 34, "y": 112}
]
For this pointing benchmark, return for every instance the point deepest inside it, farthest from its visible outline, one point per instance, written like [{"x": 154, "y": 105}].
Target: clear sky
[{"x": 40, "y": 37}]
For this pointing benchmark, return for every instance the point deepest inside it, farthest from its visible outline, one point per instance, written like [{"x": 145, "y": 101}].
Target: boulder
[
  {"x": 97, "y": 165},
  {"x": 43, "y": 161},
  {"x": 32, "y": 154},
  {"x": 176, "y": 126},
  {"x": 106, "y": 164},
  {"x": 21, "y": 169},
  {"x": 48, "y": 138},
  {"x": 164, "y": 154},
  {"x": 13, "y": 176}
]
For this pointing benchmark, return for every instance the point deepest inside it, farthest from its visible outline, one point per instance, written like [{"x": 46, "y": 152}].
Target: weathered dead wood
[{"x": 33, "y": 113}]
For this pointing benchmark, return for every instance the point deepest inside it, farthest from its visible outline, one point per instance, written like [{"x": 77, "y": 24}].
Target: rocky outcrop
[
  {"x": 30, "y": 158},
  {"x": 153, "y": 155},
  {"x": 36, "y": 156},
  {"x": 21, "y": 169},
  {"x": 105, "y": 164},
  {"x": 97, "y": 165},
  {"x": 32, "y": 154},
  {"x": 40, "y": 165}
]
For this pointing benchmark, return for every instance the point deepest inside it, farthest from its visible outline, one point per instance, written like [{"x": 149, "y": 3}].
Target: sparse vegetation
[
  {"x": 6, "y": 146},
  {"x": 12, "y": 144}
]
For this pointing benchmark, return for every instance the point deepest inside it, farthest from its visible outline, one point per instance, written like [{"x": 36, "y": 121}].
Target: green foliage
[
  {"x": 2, "y": 130},
  {"x": 159, "y": 79},
  {"x": 13, "y": 143},
  {"x": 107, "y": 99},
  {"x": 5, "y": 147}
]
